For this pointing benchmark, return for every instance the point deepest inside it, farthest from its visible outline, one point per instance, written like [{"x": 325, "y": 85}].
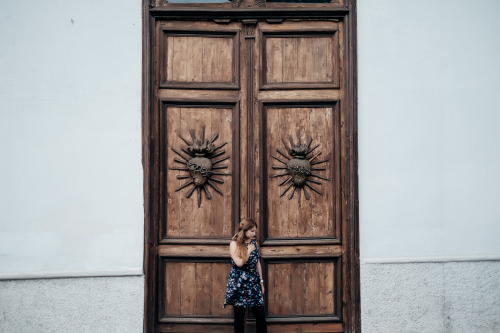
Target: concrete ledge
[
  {"x": 70, "y": 274},
  {"x": 405, "y": 260}
]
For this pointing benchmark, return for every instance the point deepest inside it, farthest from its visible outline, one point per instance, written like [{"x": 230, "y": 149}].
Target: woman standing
[{"x": 245, "y": 286}]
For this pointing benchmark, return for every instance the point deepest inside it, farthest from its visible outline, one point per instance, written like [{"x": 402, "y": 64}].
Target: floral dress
[{"x": 243, "y": 285}]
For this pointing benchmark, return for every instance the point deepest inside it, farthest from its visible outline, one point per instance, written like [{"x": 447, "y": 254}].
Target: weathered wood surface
[
  {"x": 183, "y": 218},
  {"x": 301, "y": 289},
  {"x": 254, "y": 83},
  {"x": 298, "y": 217},
  {"x": 195, "y": 289}
]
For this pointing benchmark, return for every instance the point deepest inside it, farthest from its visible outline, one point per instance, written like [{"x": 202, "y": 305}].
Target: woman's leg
[
  {"x": 260, "y": 318},
  {"x": 239, "y": 319}
]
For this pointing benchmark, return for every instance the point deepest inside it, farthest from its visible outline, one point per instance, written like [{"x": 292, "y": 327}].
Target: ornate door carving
[{"x": 247, "y": 119}]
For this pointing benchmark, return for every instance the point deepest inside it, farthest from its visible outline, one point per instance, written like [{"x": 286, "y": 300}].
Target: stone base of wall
[
  {"x": 93, "y": 304},
  {"x": 461, "y": 297}
]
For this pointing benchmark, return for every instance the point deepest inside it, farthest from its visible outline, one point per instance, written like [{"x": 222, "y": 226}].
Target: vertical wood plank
[
  {"x": 311, "y": 304},
  {"x": 220, "y": 274},
  {"x": 188, "y": 288},
  {"x": 195, "y": 56},
  {"x": 225, "y": 60},
  {"x": 209, "y": 60},
  {"x": 281, "y": 306},
  {"x": 297, "y": 289},
  {"x": 172, "y": 300},
  {"x": 180, "y": 65},
  {"x": 172, "y": 203},
  {"x": 321, "y": 204},
  {"x": 305, "y": 58},
  {"x": 271, "y": 289},
  {"x": 170, "y": 58},
  {"x": 326, "y": 289},
  {"x": 274, "y": 207},
  {"x": 203, "y": 282},
  {"x": 274, "y": 59},
  {"x": 289, "y": 55},
  {"x": 331, "y": 59},
  {"x": 323, "y": 69},
  {"x": 243, "y": 133}
]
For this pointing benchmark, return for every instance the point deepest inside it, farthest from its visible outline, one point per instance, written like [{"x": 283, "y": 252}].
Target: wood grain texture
[
  {"x": 316, "y": 217},
  {"x": 199, "y": 59},
  {"x": 194, "y": 289},
  {"x": 304, "y": 251},
  {"x": 185, "y": 219},
  {"x": 273, "y": 252},
  {"x": 193, "y": 328},
  {"x": 301, "y": 289},
  {"x": 172, "y": 298},
  {"x": 301, "y": 59},
  {"x": 316, "y": 328},
  {"x": 300, "y": 55},
  {"x": 270, "y": 96},
  {"x": 150, "y": 259},
  {"x": 191, "y": 95},
  {"x": 199, "y": 251},
  {"x": 191, "y": 56}
]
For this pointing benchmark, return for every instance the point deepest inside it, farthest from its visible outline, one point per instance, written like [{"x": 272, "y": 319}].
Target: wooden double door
[{"x": 248, "y": 119}]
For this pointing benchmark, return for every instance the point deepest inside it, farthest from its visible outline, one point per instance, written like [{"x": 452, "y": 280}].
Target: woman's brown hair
[{"x": 241, "y": 250}]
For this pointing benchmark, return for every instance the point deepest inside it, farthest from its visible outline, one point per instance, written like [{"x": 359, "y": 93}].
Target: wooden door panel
[
  {"x": 306, "y": 327},
  {"x": 206, "y": 213},
  {"x": 192, "y": 290},
  {"x": 299, "y": 55},
  {"x": 311, "y": 210},
  {"x": 302, "y": 289},
  {"x": 203, "y": 56},
  {"x": 270, "y": 97}
]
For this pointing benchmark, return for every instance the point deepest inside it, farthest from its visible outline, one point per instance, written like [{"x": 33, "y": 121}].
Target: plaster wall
[
  {"x": 71, "y": 178},
  {"x": 70, "y": 137},
  {"x": 429, "y": 81}
]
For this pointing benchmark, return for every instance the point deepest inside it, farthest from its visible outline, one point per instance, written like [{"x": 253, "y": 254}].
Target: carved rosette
[
  {"x": 201, "y": 165},
  {"x": 299, "y": 169}
]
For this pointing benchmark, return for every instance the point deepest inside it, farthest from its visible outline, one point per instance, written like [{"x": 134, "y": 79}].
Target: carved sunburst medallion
[
  {"x": 299, "y": 169},
  {"x": 201, "y": 165}
]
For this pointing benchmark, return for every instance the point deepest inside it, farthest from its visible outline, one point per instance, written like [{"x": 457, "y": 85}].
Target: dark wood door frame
[{"x": 150, "y": 147}]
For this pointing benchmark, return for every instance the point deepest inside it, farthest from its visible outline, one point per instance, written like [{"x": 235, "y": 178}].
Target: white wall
[
  {"x": 70, "y": 136},
  {"x": 70, "y": 172},
  {"x": 429, "y": 138}
]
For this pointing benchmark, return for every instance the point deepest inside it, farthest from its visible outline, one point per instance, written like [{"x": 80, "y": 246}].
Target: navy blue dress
[{"x": 243, "y": 285}]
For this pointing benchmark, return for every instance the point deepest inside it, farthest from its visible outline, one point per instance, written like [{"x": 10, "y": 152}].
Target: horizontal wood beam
[
  {"x": 299, "y": 95},
  {"x": 188, "y": 95},
  {"x": 271, "y": 252},
  {"x": 203, "y": 251}
]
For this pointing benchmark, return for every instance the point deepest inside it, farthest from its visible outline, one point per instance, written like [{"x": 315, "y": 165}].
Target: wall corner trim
[
  {"x": 71, "y": 274},
  {"x": 437, "y": 259}
]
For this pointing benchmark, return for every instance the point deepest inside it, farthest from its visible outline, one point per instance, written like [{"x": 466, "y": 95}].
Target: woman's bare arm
[
  {"x": 232, "y": 251},
  {"x": 259, "y": 269}
]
